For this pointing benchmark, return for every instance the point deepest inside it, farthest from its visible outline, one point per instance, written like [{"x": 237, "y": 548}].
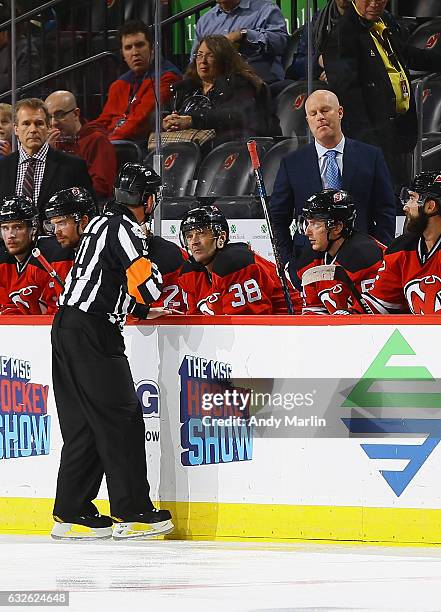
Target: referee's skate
[
  {"x": 146, "y": 525},
  {"x": 93, "y": 527}
]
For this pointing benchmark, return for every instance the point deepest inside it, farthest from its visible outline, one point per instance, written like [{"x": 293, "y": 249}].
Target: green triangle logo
[{"x": 380, "y": 370}]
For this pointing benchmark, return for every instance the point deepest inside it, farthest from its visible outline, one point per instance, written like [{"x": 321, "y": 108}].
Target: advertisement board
[{"x": 322, "y": 472}]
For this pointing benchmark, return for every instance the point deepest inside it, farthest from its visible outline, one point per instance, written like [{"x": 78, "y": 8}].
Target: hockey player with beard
[
  {"x": 223, "y": 277},
  {"x": 409, "y": 279},
  {"x": 67, "y": 214},
  {"x": 25, "y": 286},
  {"x": 328, "y": 221}
]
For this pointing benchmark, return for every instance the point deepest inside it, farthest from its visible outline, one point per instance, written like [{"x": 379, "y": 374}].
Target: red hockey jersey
[
  {"x": 170, "y": 259},
  {"x": 59, "y": 257},
  {"x": 360, "y": 255},
  {"x": 241, "y": 282},
  {"x": 409, "y": 279},
  {"x": 25, "y": 287}
]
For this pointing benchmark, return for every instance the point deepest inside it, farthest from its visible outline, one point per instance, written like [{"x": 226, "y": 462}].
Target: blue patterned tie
[{"x": 332, "y": 172}]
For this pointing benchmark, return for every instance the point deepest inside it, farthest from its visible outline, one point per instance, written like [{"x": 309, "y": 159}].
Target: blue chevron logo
[{"x": 363, "y": 395}]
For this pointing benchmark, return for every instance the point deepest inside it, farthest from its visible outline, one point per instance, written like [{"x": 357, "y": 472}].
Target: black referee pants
[{"x": 100, "y": 418}]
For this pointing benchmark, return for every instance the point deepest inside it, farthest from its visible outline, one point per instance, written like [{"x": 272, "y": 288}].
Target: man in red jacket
[
  {"x": 69, "y": 133},
  {"x": 131, "y": 98}
]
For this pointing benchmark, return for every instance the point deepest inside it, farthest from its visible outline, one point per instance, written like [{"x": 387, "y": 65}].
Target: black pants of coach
[{"x": 100, "y": 418}]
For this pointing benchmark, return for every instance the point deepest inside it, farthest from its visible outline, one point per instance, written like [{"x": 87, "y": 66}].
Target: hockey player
[
  {"x": 26, "y": 287},
  {"x": 409, "y": 279},
  {"x": 328, "y": 221},
  {"x": 67, "y": 214},
  {"x": 165, "y": 254},
  {"x": 223, "y": 277}
]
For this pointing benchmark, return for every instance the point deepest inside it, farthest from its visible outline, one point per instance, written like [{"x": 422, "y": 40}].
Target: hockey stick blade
[
  {"x": 338, "y": 273},
  {"x": 321, "y": 273}
]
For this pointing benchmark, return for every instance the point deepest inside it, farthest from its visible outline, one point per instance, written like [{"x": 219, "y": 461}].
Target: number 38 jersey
[{"x": 241, "y": 282}]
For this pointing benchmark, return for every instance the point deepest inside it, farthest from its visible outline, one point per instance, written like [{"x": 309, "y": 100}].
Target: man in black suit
[
  {"x": 367, "y": 66},
  {"x": 335, "y": 162},
  {"x": 35, "y": 169}
]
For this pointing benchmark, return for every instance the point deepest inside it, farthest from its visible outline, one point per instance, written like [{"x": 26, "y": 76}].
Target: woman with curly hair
[{"x": 221, "y": 91}]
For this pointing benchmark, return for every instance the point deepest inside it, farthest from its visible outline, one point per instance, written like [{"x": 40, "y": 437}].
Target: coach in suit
[
  {"x": 35, "y": 169},
  {"x": 332, "y": 161}
]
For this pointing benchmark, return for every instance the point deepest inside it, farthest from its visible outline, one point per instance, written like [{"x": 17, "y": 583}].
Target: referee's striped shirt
[{"x": 112, "y": 274}]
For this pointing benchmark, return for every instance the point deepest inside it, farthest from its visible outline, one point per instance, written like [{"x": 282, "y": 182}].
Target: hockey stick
[
  {"x": 333, "y": 272},
  {"x": 255, "y": 162},
  {"x": 47, "y": 266}
]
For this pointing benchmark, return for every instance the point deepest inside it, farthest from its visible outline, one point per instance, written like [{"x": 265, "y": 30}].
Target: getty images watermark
[{"x": 267, "y": 410}]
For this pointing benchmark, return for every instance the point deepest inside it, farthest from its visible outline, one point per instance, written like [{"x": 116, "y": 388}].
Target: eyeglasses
[
  {"x": 207, "y": 56},
  {"x": 58, "y": 115}
]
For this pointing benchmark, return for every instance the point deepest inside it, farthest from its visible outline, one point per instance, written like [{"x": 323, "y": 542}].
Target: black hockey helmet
[
  {"x": 428, "y": 183},
  {"x": 204, "y": 216},
  {"x": 135, "y": 183},
  {"x": 75, "y": 202},
  {"x": 18, "y": 208},
  {"x": 331, "y": 206}
]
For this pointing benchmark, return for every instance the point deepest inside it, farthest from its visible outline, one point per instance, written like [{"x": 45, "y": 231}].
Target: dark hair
[
  {"x": 228, "y": 61},
  {"x": 135, "y": 26},
  {"x": 35, "y": 104}
]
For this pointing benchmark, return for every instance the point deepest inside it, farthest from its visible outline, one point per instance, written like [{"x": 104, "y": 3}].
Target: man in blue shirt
[{"x": 256, "y": 27}]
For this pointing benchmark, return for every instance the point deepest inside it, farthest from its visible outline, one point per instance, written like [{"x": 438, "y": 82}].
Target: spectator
[
  {"x": 36, "y": 170},
  {"x": 5, "y": 129},
  {"x": 256, "y": 27},
  {"x": 226, "y": 278},
  {"x": 328, "y": 219},
  {"x": 321, "y": 25},
  {"x": 25, "y": 287},
  {"x": 26, "y": 54},
  {"x": 332, "y": 161},
  {"x": 130, "y": 106},
  {"x": 71, "y": 134},
  {"x": 409, "y": 279},
  {"x": 367, "y": 66},
  {"x": 221, "y": 92}
]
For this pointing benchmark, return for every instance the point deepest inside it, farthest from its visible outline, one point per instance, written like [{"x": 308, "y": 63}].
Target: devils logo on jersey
[
  {"x": 424, "y": 295},
  {"x": 17, "y": 296},
  {"x": 203, "y": 304}
]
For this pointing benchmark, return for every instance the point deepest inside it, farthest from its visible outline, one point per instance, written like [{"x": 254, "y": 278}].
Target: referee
[{"x": 100, "y": 418}]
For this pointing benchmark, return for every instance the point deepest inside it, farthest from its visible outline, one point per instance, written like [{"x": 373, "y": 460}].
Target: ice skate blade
[
  {"x": 71, "y": 531},
  {"x": 130, "y": 531}
]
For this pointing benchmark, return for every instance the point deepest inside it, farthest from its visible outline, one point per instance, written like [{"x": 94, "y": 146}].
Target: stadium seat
[
  {"x": 227, "y": 171},
  {"x": 176, "y": 208},
  {"x": 427, "y": 36},
  {"x": 180, "y": 160},
  {"x": 126, "y": 151},
  {"x": 290, "y": 108},
  {"x": 432, "y": 105},
  {"x": 417, "y": 8},
  {"x": 271, "y": 161}
]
